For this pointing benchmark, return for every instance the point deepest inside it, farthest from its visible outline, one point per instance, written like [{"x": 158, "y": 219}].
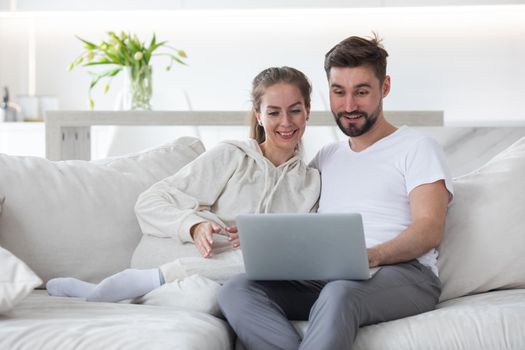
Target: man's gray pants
[{"x": 259, "y": 311}]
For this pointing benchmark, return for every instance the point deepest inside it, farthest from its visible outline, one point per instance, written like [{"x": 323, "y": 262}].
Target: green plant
[{"x": 124, "y": 50}]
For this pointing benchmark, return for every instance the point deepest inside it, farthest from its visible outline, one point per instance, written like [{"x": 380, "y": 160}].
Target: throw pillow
[
  {"x": 77, "y": 218},
  {"x": 16, "y": 280},
  {"x": 482, "y": 248}
]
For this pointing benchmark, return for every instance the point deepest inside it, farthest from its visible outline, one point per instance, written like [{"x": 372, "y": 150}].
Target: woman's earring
[{"x": 260, "y": 122}]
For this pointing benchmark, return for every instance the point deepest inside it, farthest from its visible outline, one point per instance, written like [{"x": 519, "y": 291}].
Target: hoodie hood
[
  {"x": 273, "y": 176},
  {"x": 252, "y": 149}
]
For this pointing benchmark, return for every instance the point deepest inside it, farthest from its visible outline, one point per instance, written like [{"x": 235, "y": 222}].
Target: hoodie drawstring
[{"x": 274, "y": 189}]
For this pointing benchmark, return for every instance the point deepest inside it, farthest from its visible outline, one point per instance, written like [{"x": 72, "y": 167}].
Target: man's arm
[{"x": 428, "y": 208}]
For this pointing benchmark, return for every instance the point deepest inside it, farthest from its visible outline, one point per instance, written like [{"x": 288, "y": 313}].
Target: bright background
[
  {"x": 465, "y": 60},
  {"x": 462, "y": 57}
]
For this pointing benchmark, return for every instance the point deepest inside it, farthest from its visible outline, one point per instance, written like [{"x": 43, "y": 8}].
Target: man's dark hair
[{"x": 356, "y": 51}]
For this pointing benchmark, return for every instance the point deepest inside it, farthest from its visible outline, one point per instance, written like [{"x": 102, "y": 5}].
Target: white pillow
[
  {"x": 483, "y": 247},
  {"x": 76, "y": 218},
  {"x": 16, "y": 280}
]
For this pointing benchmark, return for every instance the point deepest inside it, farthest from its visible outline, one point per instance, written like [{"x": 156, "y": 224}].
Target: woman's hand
[
  {"x": 202, "y": 235},
  {"x": 234, "y": 236}
]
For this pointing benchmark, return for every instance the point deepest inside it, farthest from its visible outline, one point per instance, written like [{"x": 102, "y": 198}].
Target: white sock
[
  {"x": 128, "y": 284},
  {"x": 69, "y": 287}
]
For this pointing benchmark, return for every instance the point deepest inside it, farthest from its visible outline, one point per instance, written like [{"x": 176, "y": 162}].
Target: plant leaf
[
  {"x": 99, "y": 62},
  {"x": 98, "y": 76},
  {"x": 172, "y": 57},
  {"x": 153, "y": 40},
  {"x": 89, "y": 45}
]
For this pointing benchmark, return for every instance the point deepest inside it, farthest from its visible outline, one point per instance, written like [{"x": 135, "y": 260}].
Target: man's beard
[{"x": 354, "y": 130}]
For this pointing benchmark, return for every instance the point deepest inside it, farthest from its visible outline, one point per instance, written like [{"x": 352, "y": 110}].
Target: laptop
[{"x": 303, "y": 246}]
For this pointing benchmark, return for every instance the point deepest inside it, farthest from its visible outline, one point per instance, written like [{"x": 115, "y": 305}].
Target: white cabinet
[{"x": 23, "y": 139}]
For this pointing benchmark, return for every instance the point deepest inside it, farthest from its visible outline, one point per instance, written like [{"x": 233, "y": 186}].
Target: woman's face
[{"x": 283, "y": 115}]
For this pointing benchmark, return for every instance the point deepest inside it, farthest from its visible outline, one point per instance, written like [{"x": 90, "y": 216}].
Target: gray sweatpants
[{"x": 259, "y": 311}]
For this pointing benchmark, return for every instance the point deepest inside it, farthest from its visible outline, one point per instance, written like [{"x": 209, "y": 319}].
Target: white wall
[
  {"x": 138, "y": 5},
  {"x": 467, "y": 60}
]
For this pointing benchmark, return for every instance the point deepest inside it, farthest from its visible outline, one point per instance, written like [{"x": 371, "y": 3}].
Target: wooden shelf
[{"x": 68, "y": 133}]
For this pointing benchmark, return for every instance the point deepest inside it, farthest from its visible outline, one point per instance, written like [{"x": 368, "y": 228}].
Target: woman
[{"x": 200, "y": 202}]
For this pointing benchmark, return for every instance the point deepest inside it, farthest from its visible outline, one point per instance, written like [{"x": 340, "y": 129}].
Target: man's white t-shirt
[{"x": 377, "y": 181}]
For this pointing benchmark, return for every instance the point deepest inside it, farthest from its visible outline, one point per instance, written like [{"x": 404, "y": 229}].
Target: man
[{"x": 398, "y": 180}]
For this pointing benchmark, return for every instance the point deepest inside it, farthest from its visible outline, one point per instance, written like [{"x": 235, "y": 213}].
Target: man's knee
[
  {"x": 341, "y": 294},
  {"x": 232, "y": 292},
  {"x": 337, "y": 313}
]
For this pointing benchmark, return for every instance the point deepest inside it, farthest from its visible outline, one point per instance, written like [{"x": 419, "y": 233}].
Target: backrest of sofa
[
  {"x": 76, "y": 218},
  {"x": 484, "y": 240}
]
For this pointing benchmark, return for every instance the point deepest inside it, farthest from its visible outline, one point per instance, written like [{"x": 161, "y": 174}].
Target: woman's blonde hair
[{"x": 270, "y": 77}]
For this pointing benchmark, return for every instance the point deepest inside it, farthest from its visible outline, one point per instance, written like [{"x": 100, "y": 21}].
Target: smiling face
[
  {"x": 356, "y": 98},
  {"x": 283, "y": 115}
]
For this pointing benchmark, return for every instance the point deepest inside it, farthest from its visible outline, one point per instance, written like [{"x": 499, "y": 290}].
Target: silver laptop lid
[{"x": 303, "y": 246}]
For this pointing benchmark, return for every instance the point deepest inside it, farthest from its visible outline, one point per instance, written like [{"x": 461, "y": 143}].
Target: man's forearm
[{"x": 410, "y": 244}]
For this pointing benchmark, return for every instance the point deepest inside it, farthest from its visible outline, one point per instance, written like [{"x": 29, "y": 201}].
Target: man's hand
[
  {"x": 374, "y": 256},
  {"x": 202, "y": 235}
]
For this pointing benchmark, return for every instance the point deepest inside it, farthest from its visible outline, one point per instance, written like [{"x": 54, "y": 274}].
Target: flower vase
[{"x": 137, "y": 88}]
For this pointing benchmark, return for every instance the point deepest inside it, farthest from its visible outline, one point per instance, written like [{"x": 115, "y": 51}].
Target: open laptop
[{"x": 303, "y": 246}]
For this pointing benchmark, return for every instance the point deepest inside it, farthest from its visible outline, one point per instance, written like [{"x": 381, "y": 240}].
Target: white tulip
[{"x": 138, "y": 56}]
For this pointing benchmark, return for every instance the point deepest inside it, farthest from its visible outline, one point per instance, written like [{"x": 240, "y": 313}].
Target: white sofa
[{"x": 76, "y": 218}]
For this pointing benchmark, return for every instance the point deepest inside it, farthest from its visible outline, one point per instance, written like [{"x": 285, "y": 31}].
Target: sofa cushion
[
  {"x": 49, "y": 323},
  {"x": 16, "y": 280},
  {"x": 482, "y": 248},
  {"x": 493, "y": 320},
  {"x": 76, "y": 218}
]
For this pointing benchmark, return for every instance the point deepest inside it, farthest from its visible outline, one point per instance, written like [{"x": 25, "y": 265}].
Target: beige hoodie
[{"x": 230, "y": 179}]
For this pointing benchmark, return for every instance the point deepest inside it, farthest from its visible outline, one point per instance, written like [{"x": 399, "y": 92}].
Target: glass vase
[{"x": 137, "y": 88}]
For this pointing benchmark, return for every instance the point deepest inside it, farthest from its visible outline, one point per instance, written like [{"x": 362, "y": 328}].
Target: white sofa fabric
[
  {"x": 484, "y": 243},
  {"x": 76, "y": 218},
  {"x": 16, "y": 280},
  {"x": 49, "y": 323},
  {"x": 487, "y": 321},
  {"x": 482, "y": 252}
]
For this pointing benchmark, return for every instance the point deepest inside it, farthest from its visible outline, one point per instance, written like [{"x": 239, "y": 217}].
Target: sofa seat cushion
[
  {"x": 494, "y": 320},
  {"x": 44, "y": 322}
]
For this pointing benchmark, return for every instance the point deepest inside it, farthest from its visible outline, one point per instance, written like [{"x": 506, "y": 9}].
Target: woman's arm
[{"x": 174, "y": 205}]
